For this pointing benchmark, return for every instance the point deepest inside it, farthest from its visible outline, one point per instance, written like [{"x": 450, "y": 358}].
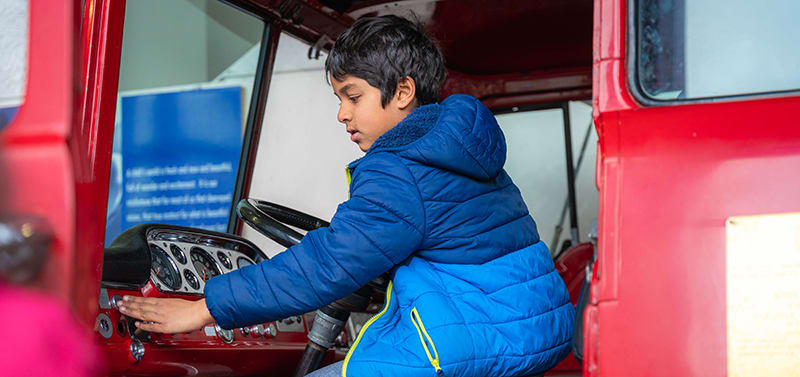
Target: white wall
[
  {"x": 13, "y": 51},
  {"x": 537, "y": 164}
]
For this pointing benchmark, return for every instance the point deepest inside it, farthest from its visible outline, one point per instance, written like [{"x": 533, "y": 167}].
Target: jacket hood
[{"x": 459, "y": 135}]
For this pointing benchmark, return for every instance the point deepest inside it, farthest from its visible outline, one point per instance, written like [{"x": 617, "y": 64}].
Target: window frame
[
  {"x": 256, "y": 104},
  {"x": 638, "y": 93},
  {"x": 573, "y": 228}
]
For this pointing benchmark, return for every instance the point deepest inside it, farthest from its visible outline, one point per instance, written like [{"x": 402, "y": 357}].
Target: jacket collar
[{"x": 414, "y": 126}]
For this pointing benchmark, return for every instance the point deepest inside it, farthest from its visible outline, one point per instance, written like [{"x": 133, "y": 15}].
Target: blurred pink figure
[{"x": 41, "y": 338}]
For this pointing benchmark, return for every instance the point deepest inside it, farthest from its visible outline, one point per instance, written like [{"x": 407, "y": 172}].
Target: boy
[{"x": 473, "y": 291}]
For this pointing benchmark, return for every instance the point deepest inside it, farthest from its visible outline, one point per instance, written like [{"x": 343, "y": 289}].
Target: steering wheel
[{"x": 271, "y": 220}]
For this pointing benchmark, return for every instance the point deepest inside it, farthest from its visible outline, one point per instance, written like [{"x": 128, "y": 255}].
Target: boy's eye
[{"x": 353, "y": 99}]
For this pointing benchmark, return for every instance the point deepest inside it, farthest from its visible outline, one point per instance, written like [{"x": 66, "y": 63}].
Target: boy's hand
[{"x": 166, "y": 315}]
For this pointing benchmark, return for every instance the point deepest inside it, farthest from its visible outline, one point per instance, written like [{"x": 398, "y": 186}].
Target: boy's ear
[{"x": 406, "y": 93}]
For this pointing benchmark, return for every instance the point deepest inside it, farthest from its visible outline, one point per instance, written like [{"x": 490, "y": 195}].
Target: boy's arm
[{"x": 379, "y": 227}]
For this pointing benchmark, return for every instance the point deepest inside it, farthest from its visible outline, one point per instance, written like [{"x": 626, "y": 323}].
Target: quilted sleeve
[{"x": 381, "y": 224}]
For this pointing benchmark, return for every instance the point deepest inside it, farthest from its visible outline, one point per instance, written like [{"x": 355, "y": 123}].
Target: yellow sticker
[{"x": 763, "y": 295}]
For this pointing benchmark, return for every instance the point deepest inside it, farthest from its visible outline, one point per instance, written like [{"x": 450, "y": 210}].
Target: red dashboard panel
[
  {"x": 272, "y": 348},
  {"x": 150, "y": 260}
]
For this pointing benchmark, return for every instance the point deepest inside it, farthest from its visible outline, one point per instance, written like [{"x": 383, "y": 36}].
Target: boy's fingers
[
  {"x": 140, "y": 313},
  {"x": 133, "y": 300},
  {"x": 150, "y": 326}
]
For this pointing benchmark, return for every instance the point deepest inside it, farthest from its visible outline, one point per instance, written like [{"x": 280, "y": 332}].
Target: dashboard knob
[
  {"x": 225, "y": 335},
  {"x": 258, "y": 330},
  {"x": 137, "y": 349},
  {"x": 271, "y": 330},
  {"x": 116, "y": 301},
  {"x": 103, "y": 325}
]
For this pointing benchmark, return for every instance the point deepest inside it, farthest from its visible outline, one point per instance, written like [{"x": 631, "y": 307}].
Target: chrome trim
[
  {"x": 137, "y": 349},
  {"x": 104, "y": 326}
]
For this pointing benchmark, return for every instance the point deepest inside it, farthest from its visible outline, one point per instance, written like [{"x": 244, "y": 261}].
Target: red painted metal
[
  {"x": 658, "y": 304},
  {"x": 539, "y": 53},
  {"x": 101, "y": 45},
  {"x": 508, "y": 90},
  {"x": 571, "y": 266},
  {"x": 306, "y": 19},
  {"x": 34, "y": 146}
]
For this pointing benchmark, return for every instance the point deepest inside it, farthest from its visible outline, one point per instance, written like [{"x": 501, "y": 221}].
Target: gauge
[
  {"x": 224, "y": 260},
  {"x": 243, "y": 262},
  {"x": 178, "y": 253},
  {"x": 191, "y": 279},
  {"x": 204, "y": 264},
  {"x": 164, "y": 268}
]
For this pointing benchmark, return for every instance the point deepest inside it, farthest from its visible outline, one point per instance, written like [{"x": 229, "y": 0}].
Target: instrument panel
[
  {"x": 182, "y": 262},
  {"x": 168, "y": 261},
  {"x": 185, "y": 267}
]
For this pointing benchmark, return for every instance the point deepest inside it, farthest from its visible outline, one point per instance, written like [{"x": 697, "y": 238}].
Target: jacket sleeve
[{"x": 381, "y": 224}]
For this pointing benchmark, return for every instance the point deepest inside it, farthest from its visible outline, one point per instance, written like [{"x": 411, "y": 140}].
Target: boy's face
[{"x": 361, "y": 111}]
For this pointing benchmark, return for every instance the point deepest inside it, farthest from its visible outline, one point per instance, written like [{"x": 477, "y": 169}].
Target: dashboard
[
  {"x": 176, "y": 260},
  {"x": 155, "y": 260},
  {"x": 181, "y": 265}
]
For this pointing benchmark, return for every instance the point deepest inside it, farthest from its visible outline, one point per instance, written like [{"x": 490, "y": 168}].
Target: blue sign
[
  {"x": 177, "y": 161},
  {"x": 7, "y": 115}
]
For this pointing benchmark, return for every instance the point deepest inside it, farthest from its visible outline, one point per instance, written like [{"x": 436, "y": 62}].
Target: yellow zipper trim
[
  {"x": 366, "y": 325},
  {"x": 415, "y": 318},
  {"x": 347, "y": 172}
]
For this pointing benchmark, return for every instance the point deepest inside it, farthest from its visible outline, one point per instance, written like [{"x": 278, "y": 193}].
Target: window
[
  {"x": 13, "y": 57},
  {"x": 716, "y": 48},
  {"x": 186, "y": 78},
  {"x": 303, "y": 148},
  {"x": 537, "y": 163}
]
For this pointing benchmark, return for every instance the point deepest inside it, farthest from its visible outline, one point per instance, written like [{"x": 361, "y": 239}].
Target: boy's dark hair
[{"x": 384, "y": 50}]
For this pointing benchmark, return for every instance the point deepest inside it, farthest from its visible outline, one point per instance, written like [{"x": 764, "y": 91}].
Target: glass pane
[
  {"x": 537, "y": 163},
  {"x": 303, "y": 148},
  {"x": 700, "y": 49},
  {"x": 13, "y": 57},
  {"x": 186, "y": 78}
]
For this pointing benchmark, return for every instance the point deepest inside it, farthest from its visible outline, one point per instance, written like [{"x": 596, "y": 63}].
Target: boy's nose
[{"x": 343, "y": 115}]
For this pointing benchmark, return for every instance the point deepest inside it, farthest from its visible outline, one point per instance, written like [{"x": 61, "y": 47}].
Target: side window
[
  {"x": 537, "y": 163},
  {"x": 716, "y": 48},
  {"x": 13, "y": 57},
  {"x": 186, "y": 77},
  {"x": 303, "y": 148}
]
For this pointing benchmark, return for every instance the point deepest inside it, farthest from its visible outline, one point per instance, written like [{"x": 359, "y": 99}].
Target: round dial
[
  {"x": 191, "y": 279},
  {"x": 243, "y": 262},
  {"x": 178, "y": 253},
  {"x": 224, "y": 260},
  {"x": 164, "y": 268},
  {"x": 204, "y": 264}
]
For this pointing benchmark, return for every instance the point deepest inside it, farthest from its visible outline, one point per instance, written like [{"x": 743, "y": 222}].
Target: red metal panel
[
  {"x": 669, "y": 177},
  {"x": 91, "y": 144},
  {"x": 198, "y": 353},
  {"x": 34, "y": 146}
]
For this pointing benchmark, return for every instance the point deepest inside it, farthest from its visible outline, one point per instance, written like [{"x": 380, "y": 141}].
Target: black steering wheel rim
[{"x": 271, "y": 220}]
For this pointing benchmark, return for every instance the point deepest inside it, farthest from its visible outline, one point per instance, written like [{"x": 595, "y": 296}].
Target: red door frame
[
  {"x": 91, "y": 144},
  {"x": 668, "y": 178},
  {"x": 35, "y": 146}
]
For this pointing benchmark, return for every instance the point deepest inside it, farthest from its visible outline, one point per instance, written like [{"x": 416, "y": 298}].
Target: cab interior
[{"x": 216, "y": 102}]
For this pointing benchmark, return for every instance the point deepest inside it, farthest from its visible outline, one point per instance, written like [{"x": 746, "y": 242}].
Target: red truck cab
[{"x": 695, "y": 262}]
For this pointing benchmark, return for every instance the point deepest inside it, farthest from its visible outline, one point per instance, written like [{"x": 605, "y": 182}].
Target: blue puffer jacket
[{"x": 473, "y": 293}]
